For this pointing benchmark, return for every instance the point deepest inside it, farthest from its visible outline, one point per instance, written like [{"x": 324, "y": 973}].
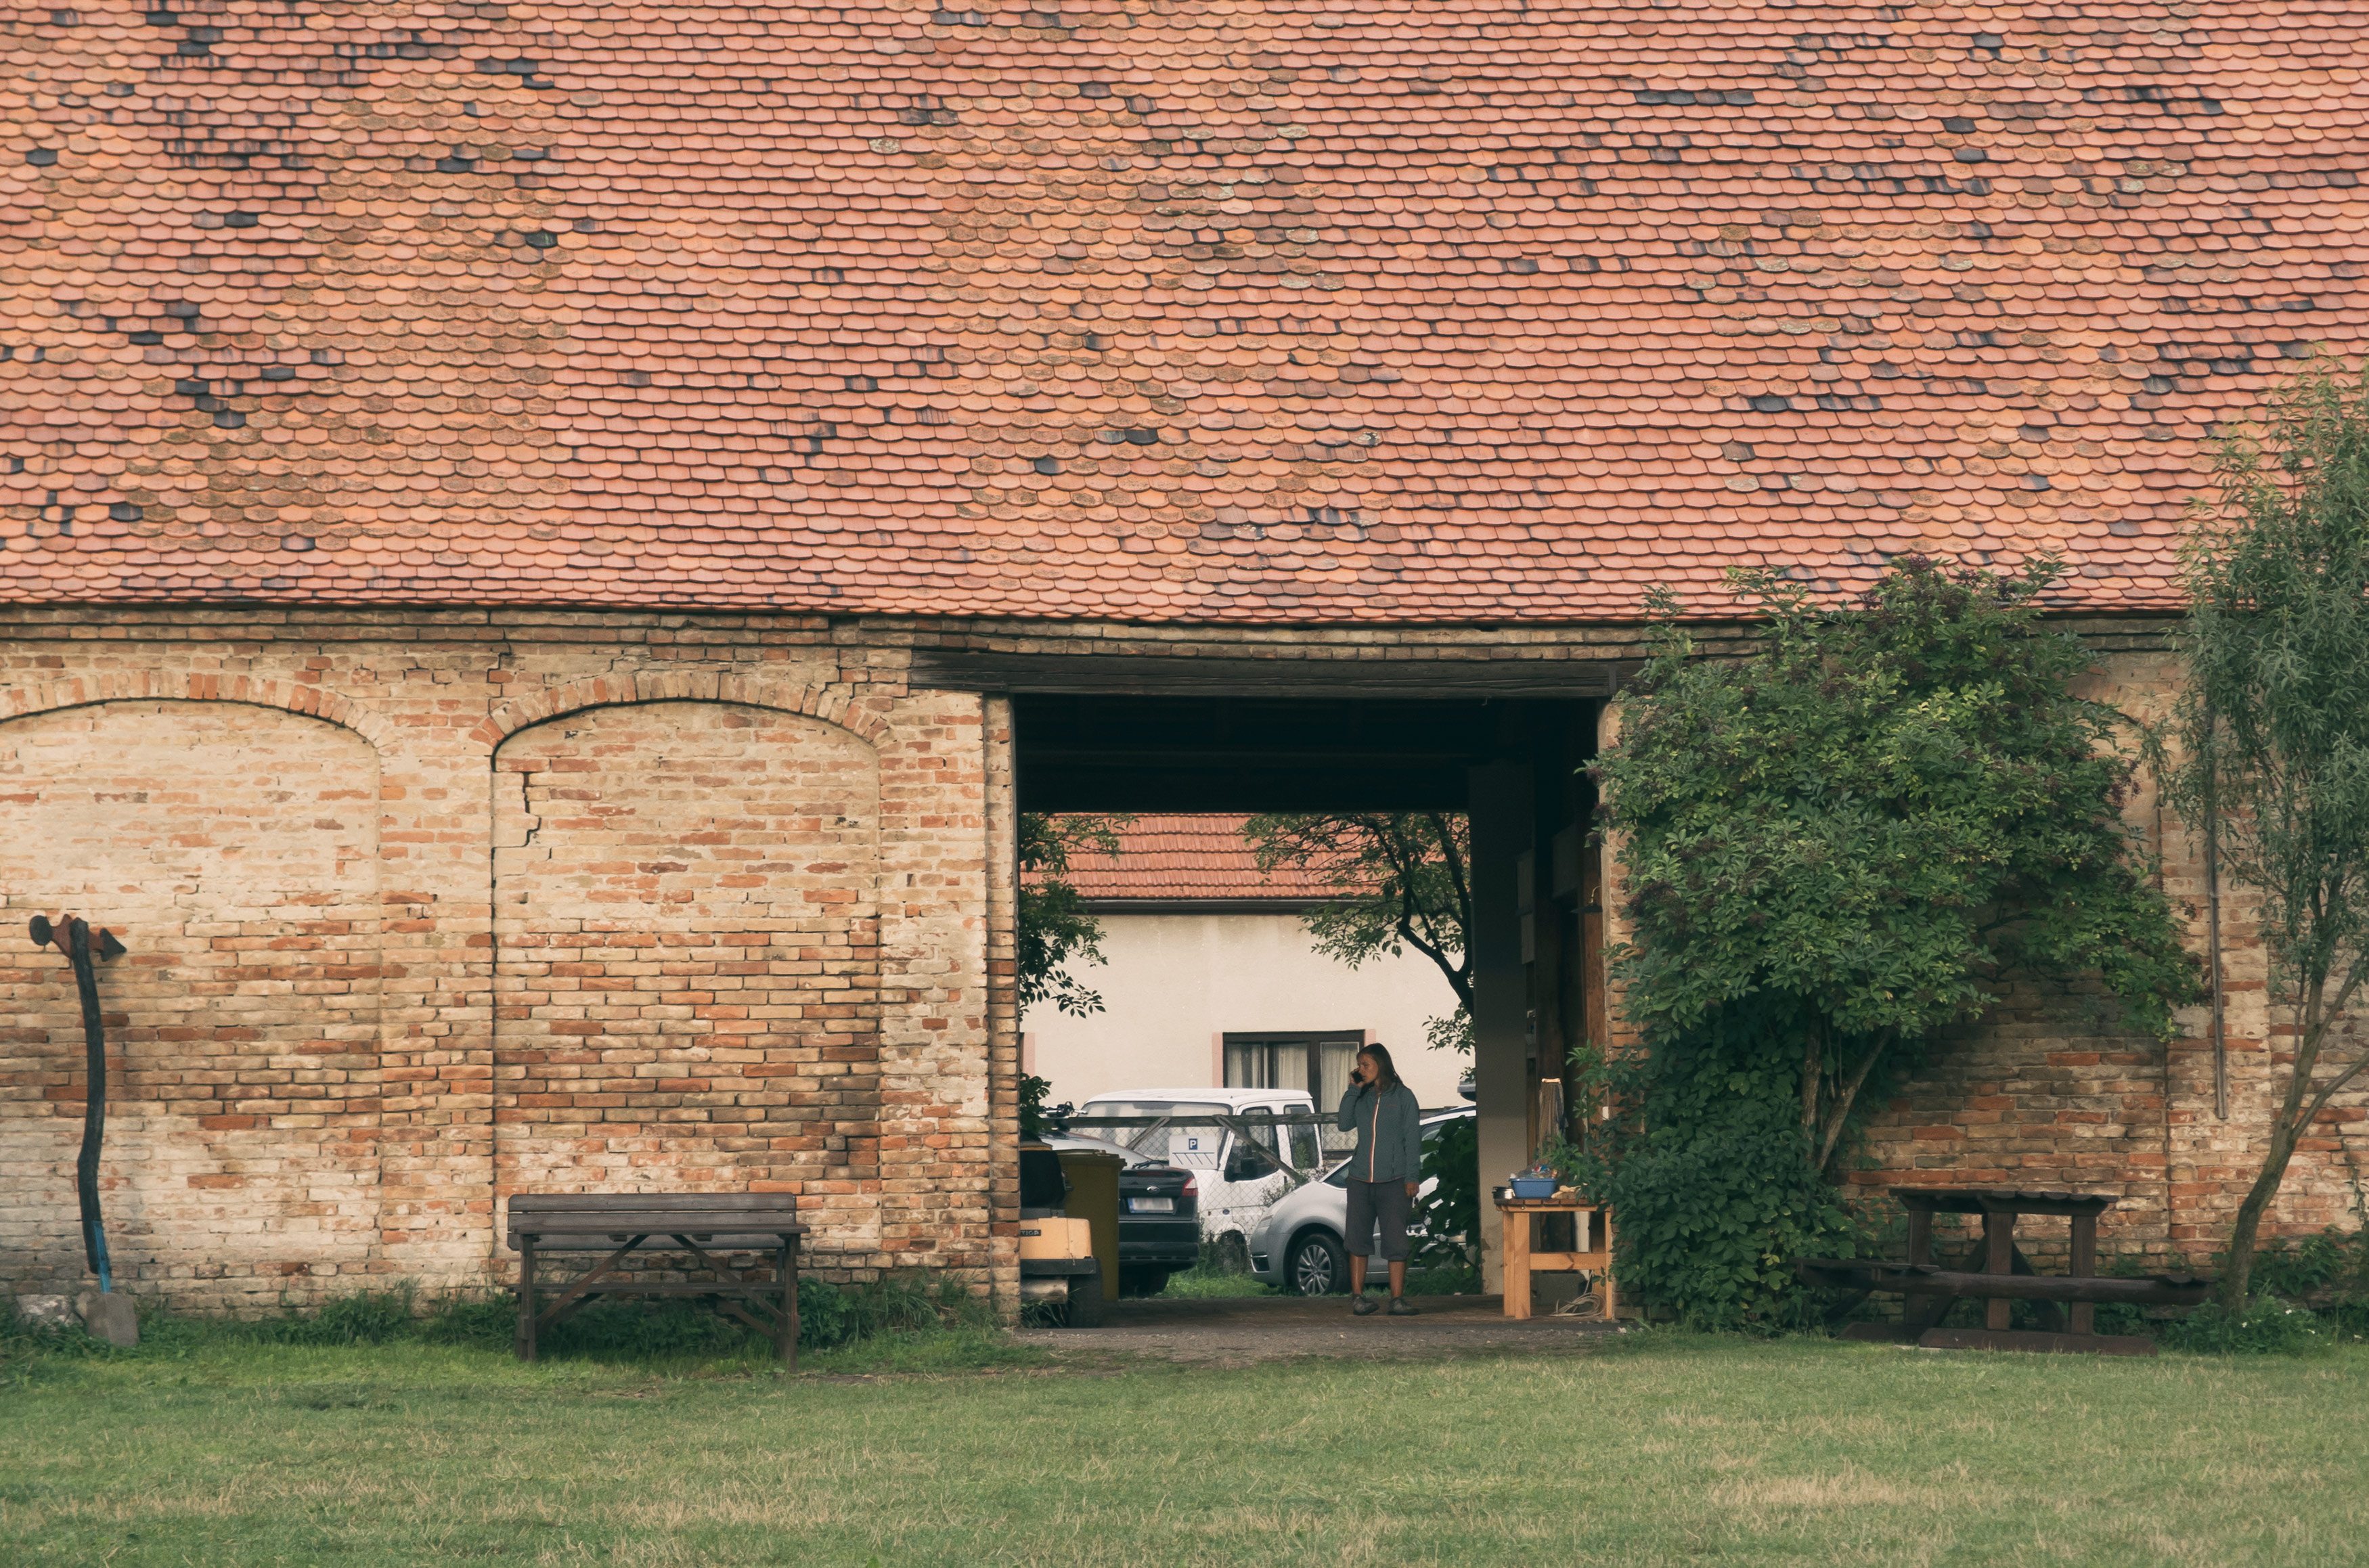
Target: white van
[{"x": 1239, "y": 1180}]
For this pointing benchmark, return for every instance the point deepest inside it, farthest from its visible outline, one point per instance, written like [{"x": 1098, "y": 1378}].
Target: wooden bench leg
[
  {"x": 526, "y": 1300},
  {"x": 786, "y": 1272},
  {"x": 1999, "y": 1248},
  {"x": 2084, "y": 1316}
]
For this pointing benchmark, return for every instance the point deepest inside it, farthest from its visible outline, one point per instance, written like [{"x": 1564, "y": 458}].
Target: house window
[{"x": 1319, "y": 1063}]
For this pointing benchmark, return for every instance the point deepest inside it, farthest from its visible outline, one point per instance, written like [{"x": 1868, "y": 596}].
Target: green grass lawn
[{"x": 1662, "y": 1449}]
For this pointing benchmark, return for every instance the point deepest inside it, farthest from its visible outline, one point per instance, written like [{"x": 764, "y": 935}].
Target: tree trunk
[
  {"x": 1812, "y": 1067},
  {"x": 2239, "y": 1265}
]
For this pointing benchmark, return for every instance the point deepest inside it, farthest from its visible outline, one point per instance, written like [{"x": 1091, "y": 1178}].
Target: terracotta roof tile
[
  {"x": 1188, "y": 857},
  {"x": 1272, "y": 312}
]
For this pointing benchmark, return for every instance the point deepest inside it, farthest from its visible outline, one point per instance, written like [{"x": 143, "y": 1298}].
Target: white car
[
  {"x": 1239, "y": 1180},
  {"x": 1301, "y": 1244}
]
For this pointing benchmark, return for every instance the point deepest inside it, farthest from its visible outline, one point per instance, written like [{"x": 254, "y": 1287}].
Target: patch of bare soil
[{"x": 1241, "y": 1332}]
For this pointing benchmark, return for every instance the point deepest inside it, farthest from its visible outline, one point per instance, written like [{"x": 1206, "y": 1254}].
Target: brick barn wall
[
  {"x": 2046, "y": 1092},
  {"x": 315, "y": 1084},
  {"x": 235, "y": 850},
  {"x": 744, "y": 878},
  {"x": 687, "y": 972}
]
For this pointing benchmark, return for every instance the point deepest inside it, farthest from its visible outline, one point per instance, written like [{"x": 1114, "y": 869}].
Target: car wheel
[
  {"x": 1142, "y": 1281},
  {"x": 1317, "y": 1267}
]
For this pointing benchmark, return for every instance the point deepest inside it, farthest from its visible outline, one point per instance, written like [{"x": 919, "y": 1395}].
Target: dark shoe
[
  {"x": 1402, "y": 1308},
  {"x": 1366, "y": 1306}
]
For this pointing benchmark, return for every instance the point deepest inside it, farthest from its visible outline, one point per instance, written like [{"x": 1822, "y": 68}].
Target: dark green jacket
[{"x": 1390, "y": 1135}]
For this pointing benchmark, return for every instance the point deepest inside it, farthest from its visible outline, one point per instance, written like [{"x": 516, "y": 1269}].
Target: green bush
[
  {"x": 1834, "y": 849},
  {"x": 1447, "y": 1260},
  {"x": 2268, "y": 1327},
  {"x": 907, "y": 1303},
  {"x": 2294, "y": 1269},
  {"x": 1715, "y": 1203}
]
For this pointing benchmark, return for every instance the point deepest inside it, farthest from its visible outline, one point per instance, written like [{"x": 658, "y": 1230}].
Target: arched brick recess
[
  {"x": 235, "y": 844},
  {"x": 159, "y": 686},
  {"x": 831, "y": 707},
  {"x": 687, "y": 956}
]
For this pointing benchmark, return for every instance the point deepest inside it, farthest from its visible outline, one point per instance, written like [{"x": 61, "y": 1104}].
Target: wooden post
[
  {"x": 1517, "y": 1261},
  {"x": 1606, "y": 1282},
  {"x": 526, "y": 1298},
  {"x": 1920, "y": 1236},
  {"x": 2085, "y": 1263},
  {"x": 1500, "y": 796},
  {"x": 1998, "y": 1238}
]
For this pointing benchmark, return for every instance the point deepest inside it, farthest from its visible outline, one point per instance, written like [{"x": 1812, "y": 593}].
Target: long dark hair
[{"x": 1381, "y": 1055}]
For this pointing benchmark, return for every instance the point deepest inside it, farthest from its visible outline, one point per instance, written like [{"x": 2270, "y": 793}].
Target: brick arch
[
  {"x": 165, "y": 686},
  {"x": 616, "y": 691}
]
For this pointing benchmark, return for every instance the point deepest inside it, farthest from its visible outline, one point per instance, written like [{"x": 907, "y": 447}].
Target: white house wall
[{"x": 1174, "y": 985}]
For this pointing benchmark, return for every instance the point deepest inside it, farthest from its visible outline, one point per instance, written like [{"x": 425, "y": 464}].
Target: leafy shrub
[
  {"x": 2268, "y": 1327},
  {"x": 366, "y": 1317},
  {"x": 1715, "y": 1205},
  {"x": 2347, "y": 1319},
  {"x": 1447, "y": 1257},
  {"x": 2295, "y": 1269},
  {"x": 1835, "y": 848}
]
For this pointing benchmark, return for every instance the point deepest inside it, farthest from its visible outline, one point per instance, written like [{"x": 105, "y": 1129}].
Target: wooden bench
[
  {"x": 1995, "y": 1273},
  {"x": 704, "y": 1230}
]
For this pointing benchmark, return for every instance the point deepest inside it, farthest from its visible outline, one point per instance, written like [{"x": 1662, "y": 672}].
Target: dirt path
[{"x": 1240, "y": 1332}]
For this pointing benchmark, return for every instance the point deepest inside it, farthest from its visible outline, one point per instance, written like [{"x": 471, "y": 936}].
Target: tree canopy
[
  {"x": 2274, "y": 731},
  {"x": 1398, "y": 880},
  {"x": 1054, "y": 929}
]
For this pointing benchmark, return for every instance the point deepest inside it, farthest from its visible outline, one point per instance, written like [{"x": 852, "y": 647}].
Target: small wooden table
[
  {"x": 1593, "y": 1228},
  {"x": 704, "y": 1228}
]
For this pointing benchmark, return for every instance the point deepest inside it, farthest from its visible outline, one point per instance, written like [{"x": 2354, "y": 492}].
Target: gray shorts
[{"x": 1385, "y": 1202}]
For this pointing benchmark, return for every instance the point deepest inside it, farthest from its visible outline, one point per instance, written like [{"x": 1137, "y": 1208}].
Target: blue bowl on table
[{"x": 1534, "y": 1186}]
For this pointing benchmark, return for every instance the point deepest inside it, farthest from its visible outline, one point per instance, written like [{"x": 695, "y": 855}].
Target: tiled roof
[
  {"x": 1197, "y": 857},
  {"x": 1220, "y": 310}
]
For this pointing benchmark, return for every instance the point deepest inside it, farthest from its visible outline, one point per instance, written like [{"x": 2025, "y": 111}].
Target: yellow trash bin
[{"x": 1093, "y": 1197}]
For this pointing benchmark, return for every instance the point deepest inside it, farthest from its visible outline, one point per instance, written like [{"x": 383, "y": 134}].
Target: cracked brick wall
[
  {"x": 425, "y": 908},
  {"x": 687, "y": 980}
]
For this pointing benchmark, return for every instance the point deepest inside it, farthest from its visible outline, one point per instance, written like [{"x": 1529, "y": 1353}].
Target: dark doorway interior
[
  {"x": 1514, "y": 763},
  {"x": 1217, "y": 753}
]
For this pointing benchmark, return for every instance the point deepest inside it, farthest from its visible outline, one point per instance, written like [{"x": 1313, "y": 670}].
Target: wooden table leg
[
  {"x": 1610, "y": 1314},
  {"x": 2085, "y": 1263},
  {"x": 1518, "y": 1262},
  {"x": 790, "y": 1301},
  {"x": 526, "y": 1298},
  {"x": 1998, "y": 1247},
  {"x": 1920, "y": 1235}
]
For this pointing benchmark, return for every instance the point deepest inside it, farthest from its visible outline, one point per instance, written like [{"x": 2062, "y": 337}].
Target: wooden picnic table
[
  {"x": 705, "y": 1230},
  {"x": 1996, "y": 1272},
  {"x": 1592, "y": 1226}
]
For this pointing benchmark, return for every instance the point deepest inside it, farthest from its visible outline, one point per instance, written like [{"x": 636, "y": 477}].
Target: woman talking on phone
[{"x": 1383, "y": 1172}]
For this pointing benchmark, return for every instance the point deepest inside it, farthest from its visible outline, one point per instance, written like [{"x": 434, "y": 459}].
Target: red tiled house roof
[
  {"x": 1196, "y": 858},
  {"x": 1229, "y": 309}
]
